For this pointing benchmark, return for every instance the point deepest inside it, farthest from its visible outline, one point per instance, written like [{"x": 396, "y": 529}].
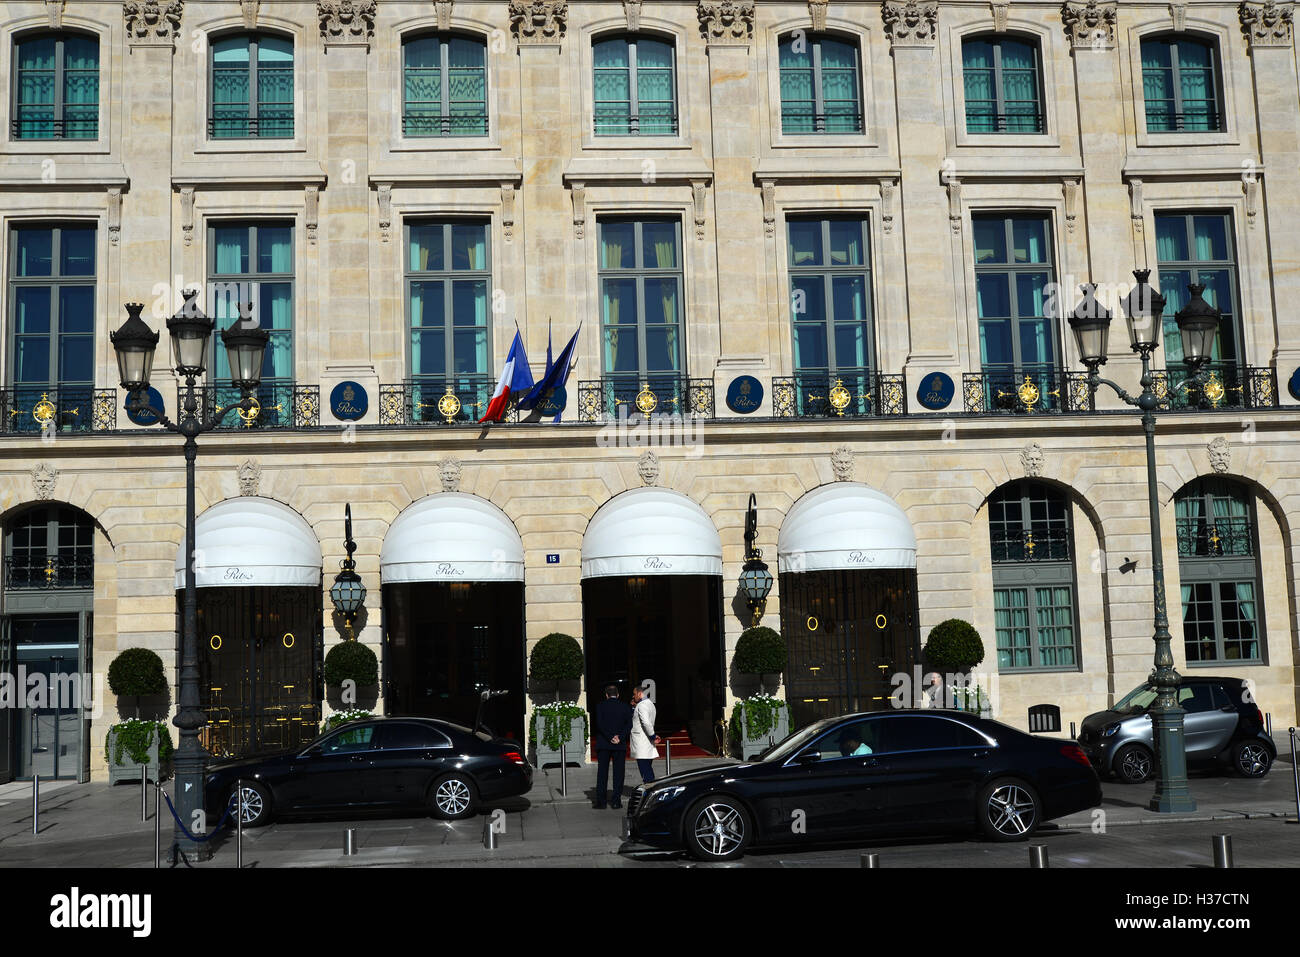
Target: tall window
[
  {"x": 49, "y": 547},
  {"x": 252, "y": 87},
  {"x": 641, "y": 298},
  {"x": 447, "y": 279},
  {"x": 1013, "y": 267},
  {"x": 1180, "y": 85},
  {"x": 56, "y": 87},
  {"x": 52, "y": 323},
  {"x": 444, "y": 86},
  {"x": 634, "y": 87},
  {"x": 821, "y": 89},
  {"x": 1198, "y": 248},
  {"x": 1001, "y": 86},
  {"x": 1033, "y": 577},
  {"x": 1219, "y": 573},
  {"x": 253, "y": 262},
  {"x": 830, "y": 294}
]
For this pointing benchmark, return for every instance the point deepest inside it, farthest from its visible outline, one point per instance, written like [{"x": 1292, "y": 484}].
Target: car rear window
[{"x": 397, "y": 737}]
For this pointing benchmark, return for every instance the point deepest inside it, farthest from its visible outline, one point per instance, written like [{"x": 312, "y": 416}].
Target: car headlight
[
  {"x": 667, "y": 794},
  {"x": 1110, "y": 729}
]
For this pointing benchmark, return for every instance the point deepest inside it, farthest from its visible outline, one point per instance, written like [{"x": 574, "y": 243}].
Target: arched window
[
  {"x": 1032, "y": 546},
  {"x": 1181, "y": 86},
  {"x": 1001, "y": 82},
  {"x": 56, "y": 87},
  {"x": 444, "y": 86},
  {"x": 49, "y": 547},
  {"x": 821, "y": 85},
  {"x": 634, "y": 87},
  {"x": 251, "y": 92},
  {"x": 1219, "y": 572}
]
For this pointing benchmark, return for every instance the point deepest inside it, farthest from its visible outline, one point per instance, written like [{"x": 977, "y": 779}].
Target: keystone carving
[
  {"x": 647, "y": 466},
  {"x": 818, "y": 10},
  {"x": 250, "y": 477},
  {"x": 842, "y": 463},
  {"x": 443, "y": 8},
  {"x": 633, "y": 10},
  {"x": 44, "y": 478},
  {"x": 449, "y": 475},
  {"x": 1031, "y": 458},
  {"x": 1220, "y": 454}
]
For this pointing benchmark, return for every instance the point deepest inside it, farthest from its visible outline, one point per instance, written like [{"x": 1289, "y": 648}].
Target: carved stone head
[
  {"x": 647, "y": 466},
  {"x": 842, "y": 464},
  {"x": 449, "y": 475}
]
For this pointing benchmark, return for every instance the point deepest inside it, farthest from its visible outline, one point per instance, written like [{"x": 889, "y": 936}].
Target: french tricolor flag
[{"x": 515, "y": 377}]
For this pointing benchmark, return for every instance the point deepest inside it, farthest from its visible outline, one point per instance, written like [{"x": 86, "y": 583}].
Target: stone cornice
[
  {"x": 910, "y": 23},
  {"x": 1267, "y": 24},
  {"x": 151, "y": 22}
]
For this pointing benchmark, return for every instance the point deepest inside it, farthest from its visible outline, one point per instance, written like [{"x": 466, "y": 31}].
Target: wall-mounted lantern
[
  {"x": 348, "y": 592},
  {"x": 755, "y": 579}
]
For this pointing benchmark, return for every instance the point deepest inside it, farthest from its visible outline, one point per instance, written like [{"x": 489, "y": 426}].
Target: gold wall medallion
[
  {"x": 449, "y": 405},
  {"x": 840, "y": 397},
  {"x": 646, "y": 400}
]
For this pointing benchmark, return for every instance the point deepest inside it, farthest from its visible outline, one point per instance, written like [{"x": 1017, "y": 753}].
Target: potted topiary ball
[
  {"x": 351, "y": 661},
  {"x": 562, "y": 724},
  {"x": 955, "y": 647},
  {"x": 759, "y": 721},
  {"x": 134, "y": 744}
]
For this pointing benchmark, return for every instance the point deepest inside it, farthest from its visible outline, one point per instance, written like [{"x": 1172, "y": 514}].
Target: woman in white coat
[{"x": 644, "y": 739}]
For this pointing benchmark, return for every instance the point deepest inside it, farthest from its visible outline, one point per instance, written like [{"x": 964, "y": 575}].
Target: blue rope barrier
[{"x": 225, "y": 819}]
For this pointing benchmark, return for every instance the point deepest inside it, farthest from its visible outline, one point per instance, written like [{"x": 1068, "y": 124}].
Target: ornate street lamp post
[
  {"x": 755, "y": 579},
  {"x": 348, "y": 593},
  {"x": 191, "y": 335},
  {"x": 1198, "y": 323}
]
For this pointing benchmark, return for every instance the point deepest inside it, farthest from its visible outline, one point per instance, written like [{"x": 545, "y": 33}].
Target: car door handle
[
  {"x": 359, "y": 757},
  {"x": 982, "y": 753}
]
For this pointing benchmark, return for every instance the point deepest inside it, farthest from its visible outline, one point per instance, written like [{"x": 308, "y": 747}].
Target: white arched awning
[
  {"x": 452, "y": 536},
  {"x": 846, "y": 525},
  {"x": 252, "y": 541},
  {"x": 650, "y": 531}
]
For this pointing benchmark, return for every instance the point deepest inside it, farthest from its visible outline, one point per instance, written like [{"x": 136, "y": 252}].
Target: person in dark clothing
[{"x": 613, "y": 724}]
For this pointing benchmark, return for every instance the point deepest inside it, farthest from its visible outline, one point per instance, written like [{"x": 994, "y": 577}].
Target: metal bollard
[
  {"x": 869, "y": 860},
  {"x": 1073, "y": 734},
  {"x": 239, "y": 825},
  {"x": 157, "y": 824},
  {"x": 1295, "y": 773},
  {"x": 144, "y": 793},
  {"x": 36, "y": 804},
  {"x": 349, "y": 842},
  {"x": 668, "y": 757},
  {"x": 564, "y": 770},
  {"x": 489, "y": 835},
  {"x": 1222, "y": 844},
  {"x": 1037, "y": 855}
]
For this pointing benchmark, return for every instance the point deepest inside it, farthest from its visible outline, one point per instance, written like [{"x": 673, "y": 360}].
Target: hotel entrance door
[{"x": 46, "y": 727}]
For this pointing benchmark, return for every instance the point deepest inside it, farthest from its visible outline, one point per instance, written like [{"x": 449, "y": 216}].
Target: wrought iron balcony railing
[
  {"x": 838, "y": 394},
  {"x": 50, "y": 571},
  {"x": 38, "y": 409},
  {"x": 1215, "y": 538},
  {"x": 647, "y": 123},
  {"x": 1226, "y": 386},
  {"x": 280, "y": 405},
  {"x": 1189, "y": 121},
  {"x": 29, "y": 128},
  {"x": 660, "y": 394},
  {"x": 1026, "y": 390},
  {"x": 267, "y": 127},
  {"x": 449, "y": 400},
  {"x": 454, "y": 124},
  {"x": 795, "y": 122},
  {"x": 979, "y": 122},
  {"x": 1022, "y": 545}
]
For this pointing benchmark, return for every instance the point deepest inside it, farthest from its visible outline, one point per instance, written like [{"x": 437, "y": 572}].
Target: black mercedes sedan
[
  {"x": 880, "y": 773},
  {"x": 374, "y": 763}
]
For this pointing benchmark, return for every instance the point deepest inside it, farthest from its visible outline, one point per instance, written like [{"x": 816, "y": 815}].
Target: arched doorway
[
  {"x": 47, "y": 600},
  {"x": 652, "y": 607},
  {"x": 452, "y": 567},
  {"x": 257, "y": 569},
  {"x": 846, "y": 556}
]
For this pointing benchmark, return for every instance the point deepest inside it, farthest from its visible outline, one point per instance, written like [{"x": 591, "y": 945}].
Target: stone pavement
[{"x": 94, "y": 825}]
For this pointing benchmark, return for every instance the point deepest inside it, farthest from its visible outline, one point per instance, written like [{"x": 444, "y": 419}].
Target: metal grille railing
[
  {"x": 450, "y": 400},
  {"x": 1225, "y": 386},
  {"x": 454, "y": 124},
  {"x": 30, "y": 128},
  {"x": 1043, "y": 545},
  {"x": 659, "y": 394},
  {"x": 38, "y": 409},
  {"x": 1026, "y": 390},
  {"x": 50, "y": 571},
  {"x": 280, "y": 405},
  {"x": 251, "y": 127},
  {"x": 613, "y": 122},
  {"x": 796, "y": 121},
  {"x": 843, "y": 393},
  {"x": 980, "y": 122},
  {"x": 1215, "y": 538}
]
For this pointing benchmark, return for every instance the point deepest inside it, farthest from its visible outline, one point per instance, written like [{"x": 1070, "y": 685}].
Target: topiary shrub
[
  {"x": 351, "y": 661},
  {"x": 954, "y": 645},
  {"x": 137, "y": 672},
  {"x": 555, "y": 658},
  {"x": 760, "y": 651}
]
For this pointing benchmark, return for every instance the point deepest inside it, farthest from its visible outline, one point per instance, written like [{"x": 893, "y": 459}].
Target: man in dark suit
[{"x": 612, "y": 723}]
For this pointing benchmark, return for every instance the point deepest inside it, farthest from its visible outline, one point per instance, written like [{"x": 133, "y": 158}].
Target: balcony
[
  {"x": 981, "y": 122},
  {"x": 615, "y": 396},
  {"x": 433, "y": 124},
  {"x": 838, "y": 395},
  {"x": 453, "y": 400},
  {"x": 250, "y": 127},
  {"x": 1026, "y": 390},
  {"x": 1227, "y": 386},
  {"x": 1216, "y": 538},
  {"x": 279, "y": 405},
  {"x": 36, "y": 410},
  {"x": 1020, "y": 545},
  {"x": 34, "y": 571}
]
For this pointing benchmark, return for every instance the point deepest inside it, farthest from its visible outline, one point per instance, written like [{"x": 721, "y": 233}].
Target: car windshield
[
  {"x": 1137, "y": 700},
  {"x": 783, "y": 749}
]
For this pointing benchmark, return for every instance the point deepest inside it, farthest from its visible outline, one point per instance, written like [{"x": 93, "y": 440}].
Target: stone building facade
[{"x": 923, "y": 126}]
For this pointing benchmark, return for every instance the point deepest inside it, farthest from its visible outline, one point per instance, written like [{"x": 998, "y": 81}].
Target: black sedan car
[
  {"x": 375, "y": 763},
  {"x": 892, "y": 772}
]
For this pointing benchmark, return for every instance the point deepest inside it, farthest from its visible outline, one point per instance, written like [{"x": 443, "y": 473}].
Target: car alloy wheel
[
  {"x": 718, "y": 830},
  {"x": 253, "y": 805},
  {"x": 453, "y": 797},
  {"x": 1009, "y": 810},
  {"x": 1133, "y": 764},
  {"x": 1251, "y": 760}
]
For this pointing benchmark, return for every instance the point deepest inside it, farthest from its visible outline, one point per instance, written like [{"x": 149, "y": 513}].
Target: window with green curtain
[
  {"x": 634, "y": 87},
  {"x": 1219, "y": 571},
  {"x": 640, "y": 277},
  {"x": 56, "y": 87},
  {"x": 251, "y": 87},
  {"x": 444, "y": 85},
  {"x": 1180, "y": 85},
  {"x": 821, "y": 85},
  {"x": 253, "y": 262},
  {"x": 1001, "y": 85},
  {"x": 448, "y": 278},
  {"x": 830, "y": 300},
  {"x": 1198, "y": 247}
]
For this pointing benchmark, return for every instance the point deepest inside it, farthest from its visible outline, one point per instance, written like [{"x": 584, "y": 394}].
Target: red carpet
[{"x": 682, "y": 746}]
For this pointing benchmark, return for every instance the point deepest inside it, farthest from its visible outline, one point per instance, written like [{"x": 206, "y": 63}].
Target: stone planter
[
  {"x": 129, "y": 769},
  {"x": 750, "y": 747},
  {"x": 576, "y": 747}
]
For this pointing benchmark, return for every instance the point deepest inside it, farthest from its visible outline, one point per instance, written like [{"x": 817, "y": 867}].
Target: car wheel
[
  {"x": 717, "y": 829},
  {"x": 1251, "y": 759},
  {"x": 452, "y": 798},
  {"x": 254, "y": 804},
  {"x": 1008, "y": 810},
  {"x": 1133, "y": 763}
]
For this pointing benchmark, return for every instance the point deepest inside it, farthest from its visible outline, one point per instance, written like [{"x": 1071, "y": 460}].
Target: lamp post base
[{"x": 1173, "y": 796}]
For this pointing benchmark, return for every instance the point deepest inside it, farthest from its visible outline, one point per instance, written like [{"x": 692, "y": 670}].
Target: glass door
[
  {"x": 6, "y": 714},
  {"x": 48, "y": 736}
]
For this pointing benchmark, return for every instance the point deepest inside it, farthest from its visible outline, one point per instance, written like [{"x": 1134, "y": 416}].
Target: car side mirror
[{"x": 808, "y": 757}]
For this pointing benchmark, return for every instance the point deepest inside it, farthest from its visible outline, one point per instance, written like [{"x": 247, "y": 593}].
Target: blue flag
[{"x": 556, "y": 374}]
